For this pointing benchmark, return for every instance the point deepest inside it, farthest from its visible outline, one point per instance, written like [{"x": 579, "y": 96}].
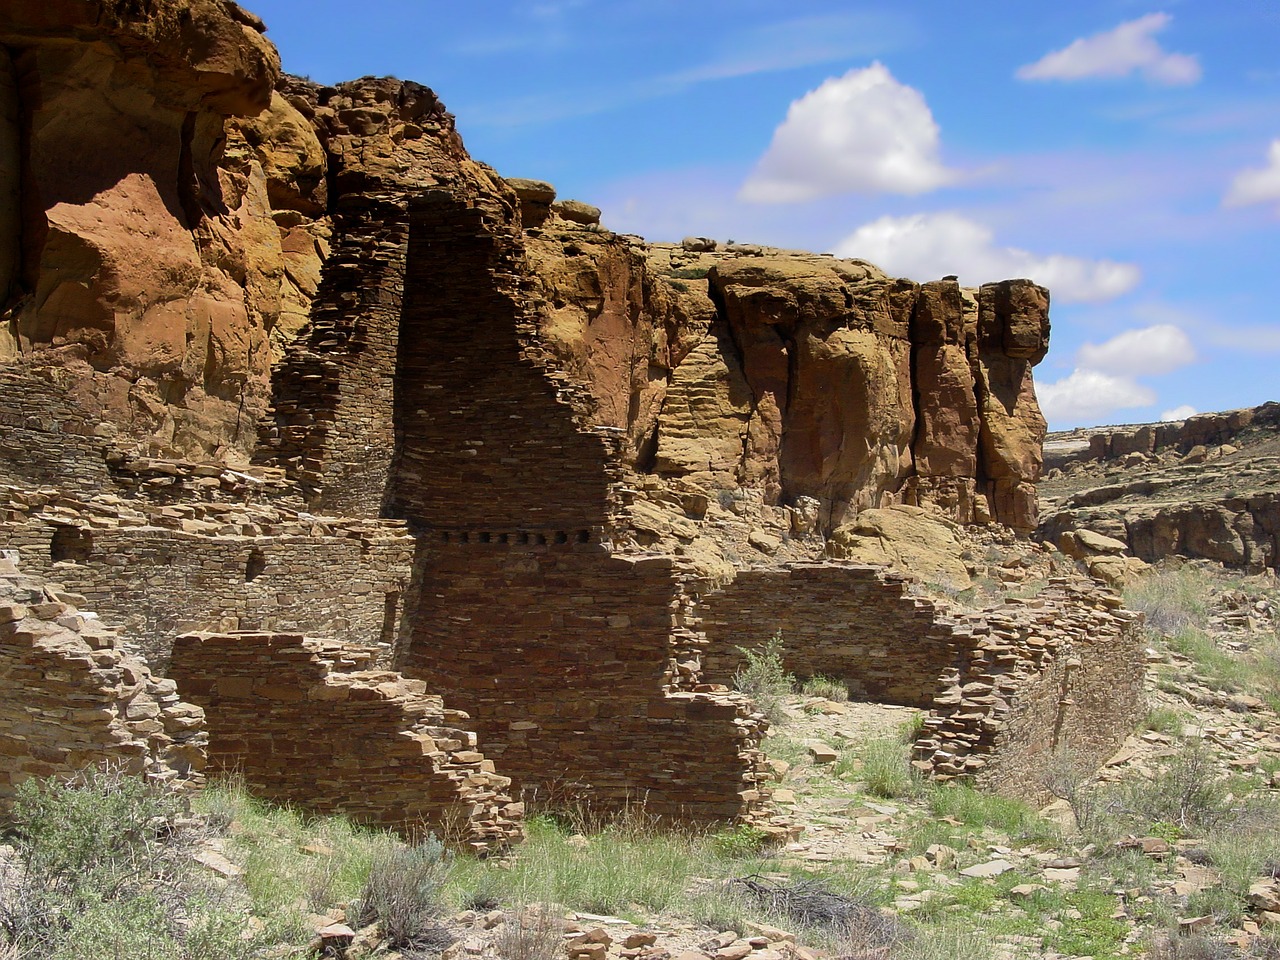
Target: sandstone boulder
[
  {"x": 535, "y": 197},
  {"x": 907, "y": 538},
  {"x": 575, "y": 211}
]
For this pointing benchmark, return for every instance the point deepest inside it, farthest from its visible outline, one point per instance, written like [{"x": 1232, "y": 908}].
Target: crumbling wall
[
  {"x": 45, "y": 438},
  {"x": 304, "y": 722},
  {"x": 1054, "y": 681},
  {"x": 158, "y": 571},
  {"x": 850, "y": 622},
  {"x": 523, "y": 614},
  {"x": 1011, "y": 692},
  {"x": 331, "y": 420},
  {"x": 73, "y": 698},
  {"x": 559, "y": 653}
]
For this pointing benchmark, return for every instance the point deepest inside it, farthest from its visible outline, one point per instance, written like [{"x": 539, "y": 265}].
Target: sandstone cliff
[
  {"x": 162, "y": 284},
  {"x": 148, "y": 249},
  {"x": 801, "y": 375},
  {"x": 1207, "y": 487}
]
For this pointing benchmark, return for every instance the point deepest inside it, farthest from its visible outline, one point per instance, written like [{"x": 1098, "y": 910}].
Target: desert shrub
[
  {"x": 689, "y": 273},
  {"x": 102, "y": 867},
  {"x": 1173, "y": 599},
  {"x": 1166, "y": 720},
  {"x": 1172, "y": 945},
  {"x": 739, "y": 842},
  {"x": 1187, "y": 793},
  {"x": 764, "y": 678},
  {"x": 825, "y": 687},
  {"x": 404, "y": 893},
  {"x": 532, "y": 933},
  {"x": 977, "y": 810}
]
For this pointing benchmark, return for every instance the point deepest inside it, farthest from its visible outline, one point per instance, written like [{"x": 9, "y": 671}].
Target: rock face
[
  {"x": 803, "y": 376},
  {"x": 139, "y": 257},
  {"x": 161, "y": 282},
  {"x": 1208, "y": 487}
]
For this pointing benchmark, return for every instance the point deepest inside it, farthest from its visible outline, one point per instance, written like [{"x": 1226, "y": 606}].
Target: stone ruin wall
[
  {"x": 855, "y": 623},
  {"x": 464, "y": 407},
  {"x": 1014, "y": 694},
  {"x": 564, "y": 679},
  {"x": 511, "y": 489},
  {"x": 306, "y": 721},
  {"x": 163, "y": 547},
  {"x": 74, "y": 698},
  {"x": 1052, "y": 687},
  {"x": 331, "y": 418}
]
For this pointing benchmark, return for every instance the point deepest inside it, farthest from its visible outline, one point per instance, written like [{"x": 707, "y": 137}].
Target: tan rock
[{"x": 908, "y": 538}]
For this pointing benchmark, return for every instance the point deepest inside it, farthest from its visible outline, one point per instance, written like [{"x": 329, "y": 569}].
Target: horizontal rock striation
[
  {"x": 304, "y": 721},
  {"x": 1208, "y": 487}
]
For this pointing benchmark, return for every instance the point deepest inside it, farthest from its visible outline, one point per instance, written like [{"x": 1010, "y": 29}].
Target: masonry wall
[
  {"x": 559, "y": 653},
  {"x": 850, "y": 622},
  {"x": 330, "y": 423},
  {"x": 44, "y": 438},
  {"x": 74, "y": 699},
  {"x": 1055, "y": 679},
  {"x": 305, "y": 722},
  {"x": 491, "y": 438},
  {"x": 157, "y": 583}
]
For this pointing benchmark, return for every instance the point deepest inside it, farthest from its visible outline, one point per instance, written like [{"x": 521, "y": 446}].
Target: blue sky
[{"x": 1125, "y": 154}]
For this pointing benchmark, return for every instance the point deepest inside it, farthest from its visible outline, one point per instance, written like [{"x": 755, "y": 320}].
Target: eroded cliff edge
[{"x": 161, "y": 284}]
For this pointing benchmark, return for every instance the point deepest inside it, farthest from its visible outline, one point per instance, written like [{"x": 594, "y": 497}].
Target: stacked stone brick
[
  {"x": 1050, "y": 682},
  {"x": 331, "y": 420},
  {"x": 160, "y": 570},
  {"x": 305, "y": 722},
  {"x": 75, "y": 699},
  {"x": 564, "y": 678},
  {"x": 1011, "y": 692},
  {"x": 852, "y": 621}
]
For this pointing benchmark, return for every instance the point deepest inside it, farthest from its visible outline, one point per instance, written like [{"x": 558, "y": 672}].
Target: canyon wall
[{"x": 290, "y": 360}]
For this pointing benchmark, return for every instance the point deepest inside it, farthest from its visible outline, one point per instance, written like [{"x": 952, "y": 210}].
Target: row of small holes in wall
[{"x": 521, "y": 538}]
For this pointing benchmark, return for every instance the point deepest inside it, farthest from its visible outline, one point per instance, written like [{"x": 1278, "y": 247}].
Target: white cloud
[
  {"x": 929, "y": 245},
  {"x": 1179, "y": 413},
  {"x": 1257, "y": 186},
  {"x": 863, "y": 132},
  {"x": 1117, "y": 53},
  {"x": 1150, "y": 351},
  {"x": 1090, "y": 396}
]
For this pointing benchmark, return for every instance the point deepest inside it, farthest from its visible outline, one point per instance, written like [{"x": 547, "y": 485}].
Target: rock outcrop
[
  {"x": 802, "y": 376},
  {"x": 145, "y": 217},
  {"x": 1207, "y": 487},
  {"x": 160, "y": 283}
]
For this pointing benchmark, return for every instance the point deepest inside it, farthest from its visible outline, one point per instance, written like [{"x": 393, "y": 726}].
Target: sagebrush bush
[
  {"x": 531, "y": 933},
  {"x": 764, "y": 677},
  {"x": 103, "y": 868},
  {"x": 404, "y": 893}
]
